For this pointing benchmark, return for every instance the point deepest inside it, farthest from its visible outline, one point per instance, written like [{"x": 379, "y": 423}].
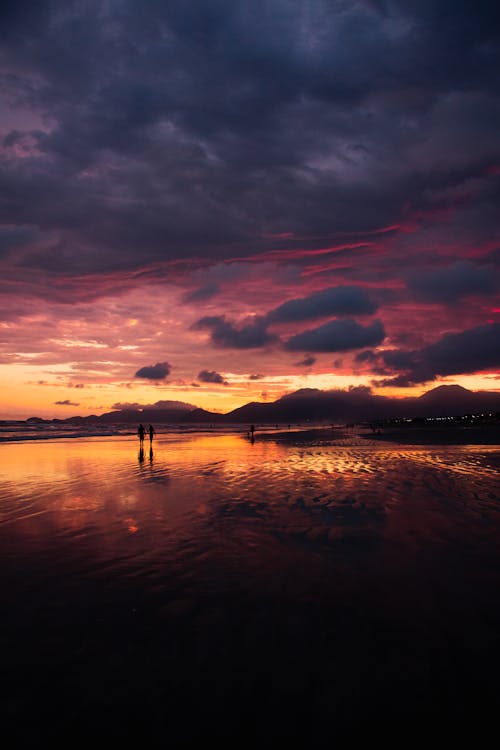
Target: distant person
[
  {"x": 252, "y": 431},
  {"x": 141, "y": 432},
  {"x": 151, "y": 433}
]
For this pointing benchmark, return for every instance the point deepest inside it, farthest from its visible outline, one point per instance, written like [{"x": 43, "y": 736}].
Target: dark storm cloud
[
  {"x": 12, "y": 237},
  {"x": 338, "y": 336},
  {"x": 340, "y": 300},
  {"x": 473, "y": 350},
  {"x": 468, "y": 351},
  {"x": 210, "y": 376},
  {"x": 225, "y": 334},
  {"x": 203, "y": 128},
  {"x": 159, "y": 371},
  {"x": 366, "y": 356},
  {"x": 202, "y": 293},
  {"x": 450, "y": 284},
  {"x": 308, "y": 361}
]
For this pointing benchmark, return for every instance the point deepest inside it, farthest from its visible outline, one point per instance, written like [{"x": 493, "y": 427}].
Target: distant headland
[{"x": 356, "y": 404}]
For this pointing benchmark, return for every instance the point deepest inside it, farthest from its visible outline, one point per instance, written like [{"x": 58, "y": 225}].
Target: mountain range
[{"x": 309, "y": 404}]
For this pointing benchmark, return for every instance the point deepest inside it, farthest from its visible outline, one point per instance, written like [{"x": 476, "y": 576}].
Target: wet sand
[
  {"x": 412, "y": 434},
  {"x": 308, "y": 587},
  {"x": 487, "y": 434}
]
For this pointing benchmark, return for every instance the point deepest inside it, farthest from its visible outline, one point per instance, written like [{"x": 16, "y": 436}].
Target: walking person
[
  {"x": 141, "y": 432},
  {"x": 152, "y": 432}
]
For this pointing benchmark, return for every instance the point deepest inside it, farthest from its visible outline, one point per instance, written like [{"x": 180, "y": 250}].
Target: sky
[{"x": 223, "y": 201}]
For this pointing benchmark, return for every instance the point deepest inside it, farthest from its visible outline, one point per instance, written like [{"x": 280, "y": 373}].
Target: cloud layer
[
  {"x": 201, "y": 129},
  {"x": 234, "y": 182}
]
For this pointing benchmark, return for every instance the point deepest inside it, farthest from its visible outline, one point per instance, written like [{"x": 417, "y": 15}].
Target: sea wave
[{"x": 24, "y": 431}]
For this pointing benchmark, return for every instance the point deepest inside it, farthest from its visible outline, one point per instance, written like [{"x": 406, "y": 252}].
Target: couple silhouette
[{"x": 141, "y": 432}]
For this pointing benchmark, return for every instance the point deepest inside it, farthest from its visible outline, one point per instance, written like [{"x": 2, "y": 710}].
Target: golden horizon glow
[{"x": 27, "y": 394}]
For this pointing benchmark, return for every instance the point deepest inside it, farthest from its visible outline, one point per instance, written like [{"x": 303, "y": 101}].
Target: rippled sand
[{"x": 270, "y": 590}]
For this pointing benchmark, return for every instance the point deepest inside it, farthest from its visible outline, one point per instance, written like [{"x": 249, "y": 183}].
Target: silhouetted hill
[
  {"x": 360, "y": 404},
  {"x": 254, "y": 412},
  {"x": 201, "y": 416},
  {"x": 444, "y": 393},
  {"x": 454, "y": 399},
  {"x": 146, "y": 415},
  {"x": 162, "y": 411},
  {"x": 310, "y": 404}
]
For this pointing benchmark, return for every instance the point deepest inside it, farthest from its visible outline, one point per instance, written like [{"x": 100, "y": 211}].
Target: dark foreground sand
[{"x": 304, "y": 589}]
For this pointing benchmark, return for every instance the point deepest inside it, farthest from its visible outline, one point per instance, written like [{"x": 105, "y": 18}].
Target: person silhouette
[
  {"x": 141, "y": 432},
  {"x": 151, "y": 433}
]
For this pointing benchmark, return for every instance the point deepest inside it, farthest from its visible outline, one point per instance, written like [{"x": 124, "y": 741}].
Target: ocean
[{"x": 309, "y": 585}]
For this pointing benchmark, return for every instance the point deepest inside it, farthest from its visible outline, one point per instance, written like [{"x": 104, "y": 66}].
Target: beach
[{"x": 305, "y": 585}]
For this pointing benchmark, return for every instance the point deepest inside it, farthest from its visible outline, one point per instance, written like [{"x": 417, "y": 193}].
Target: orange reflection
[
  {"x": 132, "y": 526},
  {"x": 92, "y": 489}
]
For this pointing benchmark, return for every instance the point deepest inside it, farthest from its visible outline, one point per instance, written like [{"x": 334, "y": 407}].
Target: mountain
[
  {"x": 309, "y": 404},
  {"x": 161, "y": 411},
  {"x": 201, "y": 416},
  {"x": 447, "y": 393},
  {"x": 451, "y": 400},
  {"x": 360, "y": 404}
]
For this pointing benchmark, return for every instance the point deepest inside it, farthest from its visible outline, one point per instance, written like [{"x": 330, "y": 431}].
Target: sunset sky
[{"x": 221, "y": 201}]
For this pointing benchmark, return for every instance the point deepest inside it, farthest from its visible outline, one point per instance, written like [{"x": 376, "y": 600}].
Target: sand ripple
[{"x": 221, "y": 495}]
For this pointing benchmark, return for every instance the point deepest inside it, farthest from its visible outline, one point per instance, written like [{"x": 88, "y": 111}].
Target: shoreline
[{"x": 483, "y": 434}]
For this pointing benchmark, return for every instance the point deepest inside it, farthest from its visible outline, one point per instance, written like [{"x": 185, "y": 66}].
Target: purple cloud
[
  {"x": 159, "y": 371},
  {"x": 202, "y": 293},
  {"x": 464, "y": 352},
  {"x": 340, "y": 300},
  {"x": 210, "y": 376},
  {"x": 307, "y": 361},
  {"x": 251, "y": 335},
  {"x": 452, "y": 283},
  {"x": 337, "y": 336}
]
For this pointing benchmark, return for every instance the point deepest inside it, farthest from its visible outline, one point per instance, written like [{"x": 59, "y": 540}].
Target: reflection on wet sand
[
  {"x": 322, "y": 493},
  {"x": 296, "y": 582}
]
